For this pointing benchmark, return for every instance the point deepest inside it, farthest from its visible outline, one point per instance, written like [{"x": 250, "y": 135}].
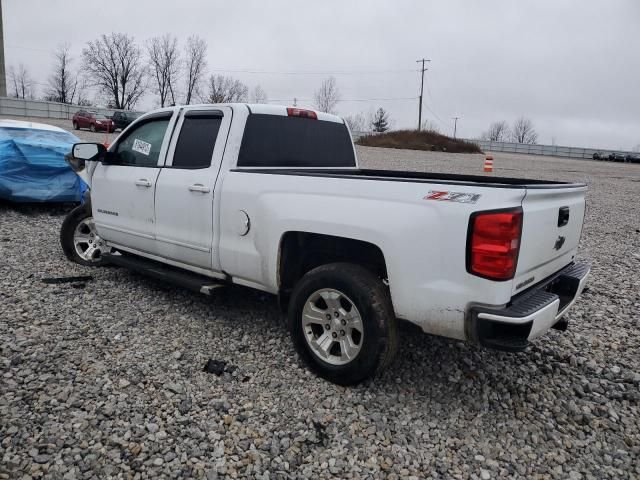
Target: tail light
[
  {"x": 299, "y": 112},
  {"x": 493, "y": 243}
]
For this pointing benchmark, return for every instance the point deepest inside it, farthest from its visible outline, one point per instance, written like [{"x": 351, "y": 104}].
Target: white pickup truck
[{"x": 272, "y": 198}]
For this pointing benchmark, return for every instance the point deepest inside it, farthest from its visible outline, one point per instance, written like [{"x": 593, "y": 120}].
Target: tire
[
  {"x": 351, "y": 286},
  {"x": 79, "y": 239},
  {"x": 92, "y": 127},
  {"x": 75, "y": 126}
]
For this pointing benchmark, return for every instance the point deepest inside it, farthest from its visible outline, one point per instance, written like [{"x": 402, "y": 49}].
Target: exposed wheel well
[{"x": 301, "y": 252}]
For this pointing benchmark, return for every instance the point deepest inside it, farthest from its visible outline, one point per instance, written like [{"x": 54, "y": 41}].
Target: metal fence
[
  {"x": 37, "y": 108},
  {"x": 549, "y": 150}
]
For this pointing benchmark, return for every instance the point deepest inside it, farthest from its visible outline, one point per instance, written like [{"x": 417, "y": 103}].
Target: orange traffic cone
[{"x": 488, "y": 163}]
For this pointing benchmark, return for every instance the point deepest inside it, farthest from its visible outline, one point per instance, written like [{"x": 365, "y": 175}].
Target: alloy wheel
[
  {"x": 332, "y": 326},
  {"x": 88, "y": 244}
]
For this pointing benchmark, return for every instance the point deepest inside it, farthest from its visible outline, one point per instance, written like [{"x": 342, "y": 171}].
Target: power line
[
  {"x": 345, "y": 100},
  {"x": 437, "y": 117},
  {"x": 343, "y": 72}
]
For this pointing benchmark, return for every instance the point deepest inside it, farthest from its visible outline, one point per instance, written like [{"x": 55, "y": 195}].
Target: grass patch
[{"x": 415, "y": 140}]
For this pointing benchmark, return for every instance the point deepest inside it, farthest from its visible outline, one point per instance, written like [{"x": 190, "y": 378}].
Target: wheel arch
[{"x": 300, "y": 252}]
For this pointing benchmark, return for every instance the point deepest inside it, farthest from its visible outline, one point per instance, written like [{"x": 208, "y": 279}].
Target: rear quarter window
[{"x": 278, "y": 141}]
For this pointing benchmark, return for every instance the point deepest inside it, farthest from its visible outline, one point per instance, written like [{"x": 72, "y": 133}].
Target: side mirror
[{"x": 88, "y": 151}]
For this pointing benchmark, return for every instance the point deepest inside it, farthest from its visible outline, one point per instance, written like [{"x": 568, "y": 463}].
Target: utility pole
[
  {"x": 455, "y": 126},
  {"x": 3, "y": 77},
  {"x": 295, "y": 102},
  {"x": 422, "y": 60}
]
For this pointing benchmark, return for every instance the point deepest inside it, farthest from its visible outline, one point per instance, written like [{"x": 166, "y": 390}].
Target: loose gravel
[{"x": 105, "y": 376}]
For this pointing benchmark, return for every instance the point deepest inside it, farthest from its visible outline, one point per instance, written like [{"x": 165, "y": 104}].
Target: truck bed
[{"x": 418, "y": 177}]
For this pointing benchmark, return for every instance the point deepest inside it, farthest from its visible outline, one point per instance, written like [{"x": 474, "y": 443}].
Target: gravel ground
[{"x": 103, "y": 377}]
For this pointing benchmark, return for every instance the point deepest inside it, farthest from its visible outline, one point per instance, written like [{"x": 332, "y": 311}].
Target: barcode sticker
[{"x": 141, "y": 147}]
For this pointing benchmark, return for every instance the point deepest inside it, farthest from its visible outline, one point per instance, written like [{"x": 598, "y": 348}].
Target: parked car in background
[
  {"x": 598, "y": 156},
  {"x": 122, "y": 120},
  {"x": 96, "y": 122},
  {"x": 617, "y": 157},
  {"x": 633, "y": 158}
]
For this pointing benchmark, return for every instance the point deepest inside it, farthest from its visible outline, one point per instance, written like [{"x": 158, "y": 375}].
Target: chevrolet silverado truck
[{"x": 272, "y": 198}]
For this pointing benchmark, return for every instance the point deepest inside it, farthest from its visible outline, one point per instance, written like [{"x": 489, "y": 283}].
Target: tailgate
[{"x": 551, "y": 229}]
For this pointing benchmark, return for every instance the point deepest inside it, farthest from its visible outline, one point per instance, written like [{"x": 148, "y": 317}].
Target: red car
[{"x": 93, "y": 121}]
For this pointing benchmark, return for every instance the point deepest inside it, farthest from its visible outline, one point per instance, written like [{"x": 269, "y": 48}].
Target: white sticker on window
[{"x": 141, "y": 147}]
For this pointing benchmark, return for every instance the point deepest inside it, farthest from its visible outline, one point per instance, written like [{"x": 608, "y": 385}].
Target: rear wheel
[
  {"x": 92, "y": 127},
  {"x": 342, "y": 323},
  {"x": 75, "y": 126},
  {"x": 80, "y": 240}
]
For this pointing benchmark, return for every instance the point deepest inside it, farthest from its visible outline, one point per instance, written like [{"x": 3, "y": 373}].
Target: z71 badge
[{"x": 459, "y": 197}]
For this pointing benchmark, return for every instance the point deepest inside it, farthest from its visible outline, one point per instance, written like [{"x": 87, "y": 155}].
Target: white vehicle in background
[{"x": 272, "y": 198}]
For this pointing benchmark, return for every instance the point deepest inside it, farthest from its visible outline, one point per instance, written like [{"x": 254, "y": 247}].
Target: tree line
[
  {"x": 522, "y": 131},
  {"x": 121, "y": 72}
]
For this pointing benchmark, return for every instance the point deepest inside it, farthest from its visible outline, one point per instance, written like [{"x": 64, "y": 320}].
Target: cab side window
[
  {"x": 141, "y": 147},
  {"x": 197, "y": 139}
]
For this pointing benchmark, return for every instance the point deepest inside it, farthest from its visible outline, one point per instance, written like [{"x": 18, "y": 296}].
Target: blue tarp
[{"x": 32, "y": 166}]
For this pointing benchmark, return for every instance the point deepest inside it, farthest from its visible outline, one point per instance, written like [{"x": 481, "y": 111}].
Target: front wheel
[
  {"x": 342, "y": 323},
  {"x": 79, "y": 239}
]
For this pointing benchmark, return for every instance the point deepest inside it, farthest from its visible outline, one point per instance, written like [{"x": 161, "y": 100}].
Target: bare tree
[
  {"x": 357, "y": 122},
  {"x": 64, "y": 83},
  {"x": 258, "y": 95},
  {"x": 114, "y": 65},
  {"x": 327, "y": 96},
  {"x": 195, "y": 64},
  {"x": 164, "y": 64},
  {"x": 224, "y": 89},
  {"x": 20, "y": 82},
  {"x": 81, "y": 97},
  {"x": 498, "y": 132},
  {"x": 380, "y": 121},
  {"x": 636, "y": 148},
  {"x": 523, "y": 131}
]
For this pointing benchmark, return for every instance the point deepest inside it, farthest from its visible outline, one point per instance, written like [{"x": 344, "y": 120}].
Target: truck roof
[{"x": 258, "y": 108}]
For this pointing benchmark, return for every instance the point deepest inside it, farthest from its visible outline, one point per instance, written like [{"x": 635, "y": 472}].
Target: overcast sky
[{"x": 572, "y": 67}]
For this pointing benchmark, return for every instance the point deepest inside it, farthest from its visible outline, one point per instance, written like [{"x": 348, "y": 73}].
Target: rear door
[
  {"x": 551, "y": 229},
  {"x": 185, "y": 226},
  {"x": 122, "y": 194}
]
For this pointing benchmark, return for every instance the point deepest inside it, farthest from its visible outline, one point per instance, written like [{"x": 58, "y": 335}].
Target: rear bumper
[{"x": 530, "y": 313}]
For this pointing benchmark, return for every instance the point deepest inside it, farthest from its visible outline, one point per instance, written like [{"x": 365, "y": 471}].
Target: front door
[
  {"x": 122, "y": 193},
  {"x": 185, "y": 187}
]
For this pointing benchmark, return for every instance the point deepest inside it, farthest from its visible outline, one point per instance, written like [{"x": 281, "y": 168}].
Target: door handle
[
  {"x": 143, "y": 182},
  {"x": 198, "y": 187}
]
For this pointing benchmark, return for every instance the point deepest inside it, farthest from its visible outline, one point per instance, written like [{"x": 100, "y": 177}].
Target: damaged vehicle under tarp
[{"x": 32, "y": 165}]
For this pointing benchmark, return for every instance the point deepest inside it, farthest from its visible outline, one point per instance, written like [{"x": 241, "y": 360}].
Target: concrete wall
[{"x": 37, "y": 108}]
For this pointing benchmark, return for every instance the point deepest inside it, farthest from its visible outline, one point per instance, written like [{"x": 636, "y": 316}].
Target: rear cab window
[{"x": 285, "y": 141}]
